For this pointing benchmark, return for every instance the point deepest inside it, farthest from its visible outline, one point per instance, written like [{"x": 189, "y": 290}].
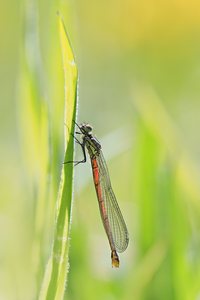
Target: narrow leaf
[{"x": 57, "y": 267}]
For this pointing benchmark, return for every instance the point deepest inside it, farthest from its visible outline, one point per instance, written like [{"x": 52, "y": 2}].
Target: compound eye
[{"x": 88, "y": 128}]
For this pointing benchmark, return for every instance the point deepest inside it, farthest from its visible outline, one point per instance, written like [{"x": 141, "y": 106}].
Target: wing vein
[{"x": 116, "y": 222}]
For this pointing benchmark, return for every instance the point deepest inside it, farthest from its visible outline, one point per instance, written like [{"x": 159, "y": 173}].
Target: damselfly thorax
[{"x": 92, "y": 144}]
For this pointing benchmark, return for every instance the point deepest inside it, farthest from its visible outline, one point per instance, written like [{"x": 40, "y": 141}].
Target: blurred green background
[{"x": 139, "y": 69}]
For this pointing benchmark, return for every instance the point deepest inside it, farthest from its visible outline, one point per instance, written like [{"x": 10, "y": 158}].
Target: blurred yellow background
[{"x": 139, "y": 69}]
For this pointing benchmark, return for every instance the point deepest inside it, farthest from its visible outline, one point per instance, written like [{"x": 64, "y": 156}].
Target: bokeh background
[{"x": 139, "y": 69}]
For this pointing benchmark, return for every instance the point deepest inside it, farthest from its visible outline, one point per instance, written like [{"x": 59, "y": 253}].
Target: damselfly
[{"x": 111, "y": 215}]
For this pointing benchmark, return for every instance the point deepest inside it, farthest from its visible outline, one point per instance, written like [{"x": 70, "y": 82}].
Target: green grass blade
[
  {"x": 33, "y": 127},
  {"x": 167, "y": 170},
  {"x": 57, "y": 268},
  {"x": 162, "y": 126}
]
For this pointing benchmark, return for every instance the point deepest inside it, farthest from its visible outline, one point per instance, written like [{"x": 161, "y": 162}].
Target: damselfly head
[{"x": 85, "y": 128}]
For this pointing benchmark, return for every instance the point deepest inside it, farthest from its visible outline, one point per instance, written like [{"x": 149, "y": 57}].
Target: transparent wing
[{"x": 115, "y": 218}]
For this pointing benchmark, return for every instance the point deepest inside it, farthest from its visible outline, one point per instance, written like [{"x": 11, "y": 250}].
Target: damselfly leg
[{"x": 76, "y": 162}]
